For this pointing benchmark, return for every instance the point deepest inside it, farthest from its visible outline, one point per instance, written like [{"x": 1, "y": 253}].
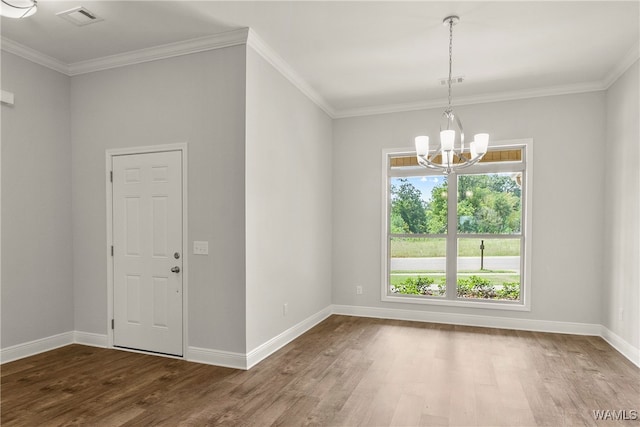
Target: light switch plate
[{"x": 200, "y": 248}]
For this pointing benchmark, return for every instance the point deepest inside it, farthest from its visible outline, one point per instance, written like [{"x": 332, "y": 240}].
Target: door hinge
[
  {"x": 111, "y": 250},
  {"x": 111, "y": 176},
  {"x": 113, "y": 323}
]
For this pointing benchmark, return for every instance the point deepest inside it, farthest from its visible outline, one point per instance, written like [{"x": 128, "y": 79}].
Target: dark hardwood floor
[{"x": 345, "y": 371}]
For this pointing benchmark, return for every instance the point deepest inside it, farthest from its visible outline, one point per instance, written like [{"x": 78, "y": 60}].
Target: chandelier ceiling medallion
[{"x": 451, "y": 151}]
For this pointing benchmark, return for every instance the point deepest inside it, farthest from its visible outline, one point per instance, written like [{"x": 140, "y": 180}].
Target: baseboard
[
  {"x": 34, "y": 347},
  {"x": 247, "y": 361},
  {"x": 255, "y": 356},
  {"x": 618, "y": 343},
  {"x": 470, "y": 320},
  {"x": 264, "y": 350},
  {"x": 90, "y": 339},
  {"x": 625, "y": 348},
  {"x": 41, "y": 345},
  {"x": 209, "y": 356}
]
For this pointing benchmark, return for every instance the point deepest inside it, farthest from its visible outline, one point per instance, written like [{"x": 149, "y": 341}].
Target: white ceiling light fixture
[
  {"x": 18, "y": 8},
  {"x": 452, "y": 158}
]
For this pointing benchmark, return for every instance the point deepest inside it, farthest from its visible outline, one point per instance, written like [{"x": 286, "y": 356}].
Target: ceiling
[{"x": 361, "y": 57}]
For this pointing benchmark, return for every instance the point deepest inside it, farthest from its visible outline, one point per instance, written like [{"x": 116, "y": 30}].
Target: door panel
[{"x": 147, "y": 231}]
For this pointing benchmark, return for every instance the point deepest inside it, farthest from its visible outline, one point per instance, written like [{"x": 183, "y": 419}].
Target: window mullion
[{"x": 452, "y": 241}]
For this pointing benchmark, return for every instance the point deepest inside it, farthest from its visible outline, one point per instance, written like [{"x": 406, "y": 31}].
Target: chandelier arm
[
  {"x": 467, "y": 162},
  {"x": 424, "y": 161},
  {"x": 463, "y": 162},
  {"x": 24, "y": 9},
  {"x": 431, "y": 159}
]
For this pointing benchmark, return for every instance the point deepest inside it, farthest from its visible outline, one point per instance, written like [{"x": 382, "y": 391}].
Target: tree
[
  {"x": 437, "y": 210},
  {"x": 407, "y": 209},
  {"x": 489, "y": 204},
  {"x": 398, "y": 226},
  {"x": 486, "y": 204}
]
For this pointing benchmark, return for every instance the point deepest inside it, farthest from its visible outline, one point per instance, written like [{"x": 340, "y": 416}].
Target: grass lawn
[{"x": 402, "y": 247}]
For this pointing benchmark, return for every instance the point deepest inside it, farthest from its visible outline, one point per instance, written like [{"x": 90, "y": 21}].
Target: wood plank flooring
[{"x": 347, "y": 371}]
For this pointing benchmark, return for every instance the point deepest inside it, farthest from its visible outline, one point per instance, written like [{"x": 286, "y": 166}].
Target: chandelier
[
  {"x": 451, "y": 149},
  {"x": 18, "y": 8}
]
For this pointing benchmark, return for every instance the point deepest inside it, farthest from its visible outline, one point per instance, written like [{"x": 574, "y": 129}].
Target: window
[{"x": 460, "y": 239}]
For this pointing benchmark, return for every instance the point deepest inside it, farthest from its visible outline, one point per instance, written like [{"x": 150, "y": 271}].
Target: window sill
[{"x": 494, "y": 305}]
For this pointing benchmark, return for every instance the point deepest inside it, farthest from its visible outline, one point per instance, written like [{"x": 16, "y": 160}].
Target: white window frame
[{"x": 451, "y": 294}]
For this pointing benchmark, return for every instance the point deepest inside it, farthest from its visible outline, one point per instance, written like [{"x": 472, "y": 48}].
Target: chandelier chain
[{"x": 450, "y": 56}]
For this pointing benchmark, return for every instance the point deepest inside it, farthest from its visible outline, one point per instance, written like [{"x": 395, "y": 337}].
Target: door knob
[{"x": 175, "y": 269}]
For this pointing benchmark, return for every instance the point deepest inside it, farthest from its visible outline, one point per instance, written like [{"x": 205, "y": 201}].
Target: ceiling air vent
[{"x": 79, "y": 16}]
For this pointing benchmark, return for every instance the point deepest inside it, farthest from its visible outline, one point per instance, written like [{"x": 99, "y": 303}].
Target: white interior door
[{"x": 147, "y": 262}]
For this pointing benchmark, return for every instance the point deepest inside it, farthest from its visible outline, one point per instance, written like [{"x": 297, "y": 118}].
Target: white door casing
[{"x": 147, "y": 233}]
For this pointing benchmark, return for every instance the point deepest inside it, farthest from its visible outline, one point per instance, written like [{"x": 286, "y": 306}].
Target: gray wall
[
  {"x": 198, "y": 99},
  {"x": 37, "y": 259},
  {"x": 621, "y": 284},
  {"x": 294, "y": 213},
  {"x": 567, "y": 199},
  {"x": 288, "y": 204}
]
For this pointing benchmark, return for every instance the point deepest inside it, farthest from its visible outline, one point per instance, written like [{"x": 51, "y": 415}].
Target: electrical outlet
[
  {"x": 621, "y": 314},
  {"x": 285, "y": 309},
  {"x": 358, "y": 290}
]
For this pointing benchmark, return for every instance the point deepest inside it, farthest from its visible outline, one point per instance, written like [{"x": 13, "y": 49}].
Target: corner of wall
[{"x": 621, "y": 275}]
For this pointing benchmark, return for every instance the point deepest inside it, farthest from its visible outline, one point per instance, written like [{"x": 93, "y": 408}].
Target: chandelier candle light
[{"x": 452, "y": 158}]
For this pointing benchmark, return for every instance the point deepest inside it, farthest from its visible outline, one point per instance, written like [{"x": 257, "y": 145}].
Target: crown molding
[
  {"x": 33, "y": 55},
  {"x": 221, "y": 40},
  {"x": 473, "y": 99},
  {"x": 272, "y": 57},
  {"x": 170, "y": 50},
  {"x": 217, "y": 41},
  {"x": 250, "y": 38},
  {"x": 629, "y": 59}
]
